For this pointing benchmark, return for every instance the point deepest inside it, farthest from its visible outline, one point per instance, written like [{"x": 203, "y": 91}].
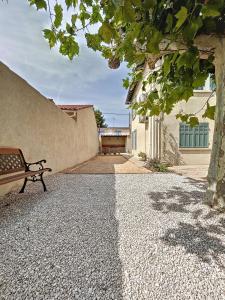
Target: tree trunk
[{"x": 215, "y": 195}]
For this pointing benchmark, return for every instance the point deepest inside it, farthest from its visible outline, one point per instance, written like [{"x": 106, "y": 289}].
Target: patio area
[
  {"x": 109, "y": 164},
  {"x": 114, "y": 236}
]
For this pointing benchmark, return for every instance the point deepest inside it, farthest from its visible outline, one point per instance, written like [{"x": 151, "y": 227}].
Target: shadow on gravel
[
  {"x": 176, "y": 200},
  {"x": 204, "y": 240},
  {"x": 64, "y": 246},
  {"x": 199, "y": 240},
  {"x": 182, "y": 201}
]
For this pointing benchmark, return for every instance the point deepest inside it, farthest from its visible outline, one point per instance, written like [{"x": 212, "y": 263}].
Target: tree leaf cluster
[
  {"x": 100, "y": 120},
  {"x": 133, "y": 31}
]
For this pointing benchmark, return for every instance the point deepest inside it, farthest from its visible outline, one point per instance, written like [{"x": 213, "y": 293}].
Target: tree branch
[{"x": 207, "y": 101}]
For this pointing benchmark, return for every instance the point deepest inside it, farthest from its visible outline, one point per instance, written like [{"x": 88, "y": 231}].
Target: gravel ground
[{"x": 137, "y": 236}]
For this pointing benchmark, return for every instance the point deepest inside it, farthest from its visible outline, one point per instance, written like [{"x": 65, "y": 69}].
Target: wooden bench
[{"x": 12, "y": 161}]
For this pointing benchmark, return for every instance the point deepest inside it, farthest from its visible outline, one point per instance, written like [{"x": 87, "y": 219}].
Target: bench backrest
[{"x": 11, "y": 160}]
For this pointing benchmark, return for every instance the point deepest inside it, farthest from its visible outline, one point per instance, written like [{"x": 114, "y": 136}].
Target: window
[
  {"x": 194, "y": 137},
  {"x": 134, "y": 139}
]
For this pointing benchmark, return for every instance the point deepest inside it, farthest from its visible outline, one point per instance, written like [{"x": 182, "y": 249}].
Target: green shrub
[
  {"x": 156, "y": 165},
  {"x": 142, "y": 155}
]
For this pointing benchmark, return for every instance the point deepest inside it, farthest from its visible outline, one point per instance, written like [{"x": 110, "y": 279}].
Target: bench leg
[
  {"x": 42, "y": 181},
  {"x": 23, "y": 187}
]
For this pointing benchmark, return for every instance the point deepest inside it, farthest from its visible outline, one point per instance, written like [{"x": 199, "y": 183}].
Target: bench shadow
[
  {"x": 63, "y": 243},
  {"x": 199, "y": 238}
]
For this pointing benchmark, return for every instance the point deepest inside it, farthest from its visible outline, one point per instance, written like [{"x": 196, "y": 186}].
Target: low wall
[{"x": 36, "y": 125}]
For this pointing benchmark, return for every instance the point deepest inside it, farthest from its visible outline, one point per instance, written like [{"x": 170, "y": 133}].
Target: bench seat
[
  {"x": 22, "y": 175},
  {"x": 12, "y": 161}
]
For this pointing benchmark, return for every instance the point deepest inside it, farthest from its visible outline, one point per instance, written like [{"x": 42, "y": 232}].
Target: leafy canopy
[
  {"x": 135, "y": 31},
  {"x": 100, "y": 120}
]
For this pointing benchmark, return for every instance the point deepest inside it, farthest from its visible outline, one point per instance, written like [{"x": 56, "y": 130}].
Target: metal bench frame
[{"x": 12, "y": 161}]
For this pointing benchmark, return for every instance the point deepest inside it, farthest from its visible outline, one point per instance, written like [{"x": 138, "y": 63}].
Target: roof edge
[{"x": 74, "y": 107}]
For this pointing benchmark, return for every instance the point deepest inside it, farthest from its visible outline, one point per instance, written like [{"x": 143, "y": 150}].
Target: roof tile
[{"x": 74, "y": 106}]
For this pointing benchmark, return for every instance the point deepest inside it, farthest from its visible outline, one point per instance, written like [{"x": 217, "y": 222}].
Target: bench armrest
[{"x": 40, "y": 163}]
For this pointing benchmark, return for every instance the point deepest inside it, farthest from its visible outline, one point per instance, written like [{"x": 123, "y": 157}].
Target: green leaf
[
  {"x": 187, "y": 93},
  {"x": 208, "y": 11},
  {"x": 50, "y": 36},
  {"x": 128, "y": 12},
  {"x": 69, "y": 47},
  {"x": 70, "y": 3},
  {"x": 144, "y": 84},
  {"x": 136, "y": 2},
  {"x": 126, "y": 83},
  {"x": 200, "y": 80},
  {"x": 106, "y": 52},
  {"x": 58, "y": 15},
  {"x": 74, "y": 19},
  {"x": 84, "y": 14},
  {"x": 185, "y": 59},
  {"x": 153, "y": 44},
  {"x": 152, "y": 96},
  {"x": 192, "y": 28},
  {"x": 69, "y": 29},
  {"x": 40, "y": 4},
  {"x": 155, "y": 110},
  {"x": 106, "y": 32},
  {"x": 181, "y": 17},
  {"x": 169, "y": 22},
  {"x": 193, "y": 121},
  {"x": 174, "y": 57},
  {"x": 96, "y": 15},
  {"x": 166, "y": 65},
  {"x": 149, "y": 3},
  {"x": 210, "y": 112},
  {"x": 93, "y": 41},
  {"x": 182, "y": 117}
]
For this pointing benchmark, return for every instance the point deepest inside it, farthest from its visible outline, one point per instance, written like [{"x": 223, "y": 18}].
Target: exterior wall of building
[
  {"x": 123, "y": 131},
  {"x": 128, "y": 144},
  {"x": 171, "y": 149},
  {"x": 113, "y": 141},
  {"x": 142, "y": 136},
  {"x": 113, "y": 136},
  {"x": 158, "y": 137},
  {"x": 146, "y": 130},
  {"x": 42, "y": 130},
  {"x": 148, "y": 137}
]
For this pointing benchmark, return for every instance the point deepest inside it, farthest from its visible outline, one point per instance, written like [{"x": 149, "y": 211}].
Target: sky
[{"x": 85, "y": 80}]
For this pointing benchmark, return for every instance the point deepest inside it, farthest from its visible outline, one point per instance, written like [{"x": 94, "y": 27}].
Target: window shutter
[
  {"x": 194, "y": 137},
  {"x": 134, "y": 139}
]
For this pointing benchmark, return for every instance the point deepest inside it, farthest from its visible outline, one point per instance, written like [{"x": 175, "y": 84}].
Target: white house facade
[{"x": 168, "y": 139}]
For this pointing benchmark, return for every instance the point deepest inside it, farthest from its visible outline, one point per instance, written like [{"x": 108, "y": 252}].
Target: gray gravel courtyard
[{"x": 123, "y": 236}]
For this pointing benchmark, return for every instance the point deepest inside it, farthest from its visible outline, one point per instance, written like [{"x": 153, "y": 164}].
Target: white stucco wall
[
  {"x": 42, "y": 130},
  {"x": 189, "y": 156},
  {"x": 160, "y": 139}
]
